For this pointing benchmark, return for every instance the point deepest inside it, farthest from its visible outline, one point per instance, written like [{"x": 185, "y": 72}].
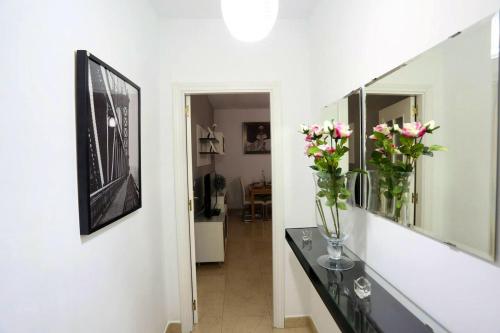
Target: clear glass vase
[
  {"x": 334, "y": 199},
  {"x": 402, "y": 183}
]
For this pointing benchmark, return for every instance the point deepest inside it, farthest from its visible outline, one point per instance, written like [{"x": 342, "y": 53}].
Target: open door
[
  {"x": 400, "y": 113},
  {"x": 191, "y": 206}
]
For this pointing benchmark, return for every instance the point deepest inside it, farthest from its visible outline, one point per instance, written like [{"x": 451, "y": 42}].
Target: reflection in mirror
[
  {"x": 452, "y": 195},
  {"x": 348, "y": 110}
]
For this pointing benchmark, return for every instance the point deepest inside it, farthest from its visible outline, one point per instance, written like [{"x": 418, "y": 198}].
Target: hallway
[{"x": 237, "y": 296}]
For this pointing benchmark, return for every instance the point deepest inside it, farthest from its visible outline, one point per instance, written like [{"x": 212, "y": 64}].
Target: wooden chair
[{"x": 247, "y": 205}]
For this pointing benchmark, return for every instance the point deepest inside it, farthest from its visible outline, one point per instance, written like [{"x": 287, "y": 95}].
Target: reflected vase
[
  {"x": 389, "y": 194},
  {"x": 401, "y": 202},
  {"x": 334, "y": 199}
]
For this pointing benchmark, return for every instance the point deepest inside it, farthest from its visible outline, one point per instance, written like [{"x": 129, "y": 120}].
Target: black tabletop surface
[{"x": 380, "y": 312}]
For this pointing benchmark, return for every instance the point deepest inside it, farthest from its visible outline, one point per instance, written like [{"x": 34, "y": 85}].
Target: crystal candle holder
[
  {"x": 362, "y": 287},
  {"x": 306, "y": 235}
]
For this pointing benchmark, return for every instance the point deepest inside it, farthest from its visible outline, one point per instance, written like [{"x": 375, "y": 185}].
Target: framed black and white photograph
[
  {"x": 108, "y": 108},
  {"x": 257, "y": 138}
]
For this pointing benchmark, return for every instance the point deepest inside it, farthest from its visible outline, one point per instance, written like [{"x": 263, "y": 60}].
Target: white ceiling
[
  {"x": 210, "y": 9},
  {"x": 239, "y": 101}
]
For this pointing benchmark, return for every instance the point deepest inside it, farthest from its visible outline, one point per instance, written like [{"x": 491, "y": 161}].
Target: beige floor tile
[
  {"x": 293, "y": 330},
  {"x": 203, "y": 327},
  {"x": 236, "y": 296},
  {"x": 247, "y": 324}
]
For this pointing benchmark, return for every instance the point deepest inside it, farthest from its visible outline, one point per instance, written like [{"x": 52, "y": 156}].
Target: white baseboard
[
  {"x": 300, "y": 321},
  {"x": 173, "y": 327}
]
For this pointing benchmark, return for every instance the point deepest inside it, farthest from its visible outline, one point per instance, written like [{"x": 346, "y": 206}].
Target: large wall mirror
[
  {"x": 348, "y": 110},
  {"x": 452, "y": 194}
]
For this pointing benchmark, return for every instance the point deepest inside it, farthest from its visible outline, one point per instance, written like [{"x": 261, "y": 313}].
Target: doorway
[
  {"x": 185, "y": 224},
  {"x": 230, "y": 157}
]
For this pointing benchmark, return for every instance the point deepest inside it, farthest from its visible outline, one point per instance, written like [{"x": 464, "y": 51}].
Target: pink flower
[
  {"x": 327, "y": 148},
  {"x": 317, "y": 130},
  {"x": 308, "y": 138},
  {"x": 318, "y": 155},
  {"x": 413, "y": 130},
  {"x": 308, "y": 145},
  {"x": 383, "y": 129},
  {"x": 341, "y": 130}
]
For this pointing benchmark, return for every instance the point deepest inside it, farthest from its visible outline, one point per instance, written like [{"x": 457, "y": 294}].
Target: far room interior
[{"x": 232, "y": 195}]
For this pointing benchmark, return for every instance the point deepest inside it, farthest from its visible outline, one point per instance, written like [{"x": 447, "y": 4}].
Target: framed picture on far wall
[
  {"x": 257, "y": 138},
  {"x": 108, "y": 123}
]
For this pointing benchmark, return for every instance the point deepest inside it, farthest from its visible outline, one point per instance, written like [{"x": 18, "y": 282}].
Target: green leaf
[
  {"x": 341, "y": 205},
  {"x": 437, "y": 148},
  {"x": 398, "y": 189}
]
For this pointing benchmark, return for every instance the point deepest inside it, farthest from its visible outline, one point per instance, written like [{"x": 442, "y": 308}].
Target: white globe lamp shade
[{"x": 249, "y": 20}]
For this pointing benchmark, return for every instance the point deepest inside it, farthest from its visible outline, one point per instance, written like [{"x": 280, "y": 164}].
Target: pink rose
[
  {"x": 413, "y": 130},
  {"x": 327, "y": 148},
  {"x": 383, "y": 129},
  {"x": 317, "y": 130},
  {"x": 341, "y": 130},
  {"x": 308, "y": 138}
]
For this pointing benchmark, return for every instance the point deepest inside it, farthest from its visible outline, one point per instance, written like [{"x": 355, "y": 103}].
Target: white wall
[
  {"x": 52, "y": 279},
  {"x": 204, "y": 51},
  {"x": 351, "y": 43},
  {"x": 234, "y": 163}
]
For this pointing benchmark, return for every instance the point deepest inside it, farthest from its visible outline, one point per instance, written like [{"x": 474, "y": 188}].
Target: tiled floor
[{"x": 236, "y": 296}]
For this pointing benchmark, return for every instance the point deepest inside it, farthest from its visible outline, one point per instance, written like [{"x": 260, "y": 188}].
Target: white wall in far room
[
  {"x": 52, "y": 279},
  {"x": 234, "y": 163},
  {"x": 352, "y": 42}
]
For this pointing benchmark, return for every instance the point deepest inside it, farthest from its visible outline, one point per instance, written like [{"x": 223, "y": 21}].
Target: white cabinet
[{"x": 210, "y": 236}]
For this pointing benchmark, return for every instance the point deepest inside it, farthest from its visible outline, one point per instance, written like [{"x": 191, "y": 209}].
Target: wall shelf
[
  {"x": 383, "y": 311},
  {"x": 204, "y": 140}
]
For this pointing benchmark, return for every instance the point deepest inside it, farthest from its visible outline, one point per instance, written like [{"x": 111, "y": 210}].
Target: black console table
[{"x": 380, "y": 312}]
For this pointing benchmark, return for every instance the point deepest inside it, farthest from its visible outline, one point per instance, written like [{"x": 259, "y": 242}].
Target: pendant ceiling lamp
[{"x": 249, "y": 20}]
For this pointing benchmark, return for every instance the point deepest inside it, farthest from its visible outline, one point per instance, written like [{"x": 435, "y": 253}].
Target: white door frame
[{"x": 181, "y": 191}]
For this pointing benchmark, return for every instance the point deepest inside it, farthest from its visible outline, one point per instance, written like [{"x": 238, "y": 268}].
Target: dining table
[{"x": 256, "y": 190}]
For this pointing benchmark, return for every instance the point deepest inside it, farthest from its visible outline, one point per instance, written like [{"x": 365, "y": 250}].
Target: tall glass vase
[
  {"x": 334, "y": 198},
  {"x": 402, "y": 183}
]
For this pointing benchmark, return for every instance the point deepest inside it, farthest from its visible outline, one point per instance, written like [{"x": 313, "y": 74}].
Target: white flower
[
  {"x": 430, "y": 125},
  {"x": 327, "y": 126},
  {"x": 304, "y": 129}
]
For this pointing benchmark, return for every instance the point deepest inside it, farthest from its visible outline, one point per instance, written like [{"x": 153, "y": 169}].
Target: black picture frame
[
  {"x": 252, "y": 144},
  {"x": 106, "y": 194}
]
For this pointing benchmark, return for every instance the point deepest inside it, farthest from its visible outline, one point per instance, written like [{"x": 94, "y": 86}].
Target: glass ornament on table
[{"x": 334, "y": 199}]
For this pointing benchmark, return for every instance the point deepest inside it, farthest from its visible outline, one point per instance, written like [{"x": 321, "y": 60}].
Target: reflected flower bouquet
[{"x": 395, "y": 162}]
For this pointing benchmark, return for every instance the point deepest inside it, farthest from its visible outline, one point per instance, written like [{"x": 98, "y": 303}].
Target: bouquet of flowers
[{"x": 327, "y": 145}]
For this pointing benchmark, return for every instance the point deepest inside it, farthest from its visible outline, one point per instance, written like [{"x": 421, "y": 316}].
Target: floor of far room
[{"x": 237, "y": 296}]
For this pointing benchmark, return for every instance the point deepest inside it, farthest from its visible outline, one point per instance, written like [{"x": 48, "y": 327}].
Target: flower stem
[
  {"x": 322, "y": 215},
  {"x": 335, "y": 224}
]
